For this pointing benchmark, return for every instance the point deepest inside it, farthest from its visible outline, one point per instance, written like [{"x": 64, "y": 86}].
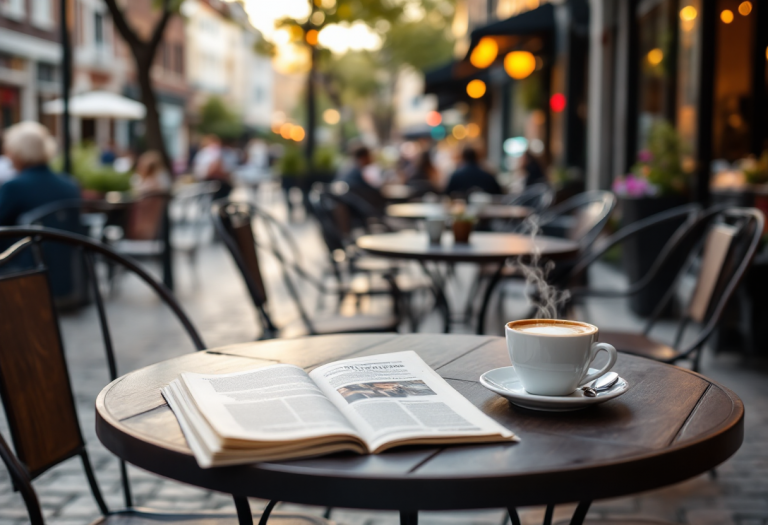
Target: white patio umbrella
[{"x": 98, "y": 104}]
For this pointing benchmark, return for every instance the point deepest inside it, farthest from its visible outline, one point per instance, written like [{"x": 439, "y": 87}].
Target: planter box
[{"x": 640, "y": 251}]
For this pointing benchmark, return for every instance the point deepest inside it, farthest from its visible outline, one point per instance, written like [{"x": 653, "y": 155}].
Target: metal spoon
[{"x": 600, "y": 384}]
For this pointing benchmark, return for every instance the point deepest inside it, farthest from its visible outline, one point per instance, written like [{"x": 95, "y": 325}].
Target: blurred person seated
[
  {"x": 30, "y": 147},
  {"x": 365, "y": 179},
  {"x": 423, "y": 176},
  {"x": 150, "y": 176},
  {"x": 211, "y": 162},
  {"x": 108, "y": 155},
  {"x": 469, "y": 177},
  {"x": 7, "y": 171},
  {"x": 534, "y": 174}
]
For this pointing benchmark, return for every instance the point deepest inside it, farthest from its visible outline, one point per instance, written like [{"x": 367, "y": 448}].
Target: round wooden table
[
  {"x": 483, "y": 248},
  {"x": 671, "y": 425},
  {"x": 422, "y": 210}
]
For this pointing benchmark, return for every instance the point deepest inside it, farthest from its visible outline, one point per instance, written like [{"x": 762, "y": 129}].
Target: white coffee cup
[
  {"x": 435, "y": 227},
  {"x": 552, "y": 356}
]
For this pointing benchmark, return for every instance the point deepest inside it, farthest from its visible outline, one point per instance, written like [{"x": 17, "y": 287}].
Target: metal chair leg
[
  {"x": 580, "y": 513},
  {"x": 548, "y": 515},
  {"x": 267, "y": 512},
  {"x": 244, "y": 516},
  {"x": 514, "y": 516}
]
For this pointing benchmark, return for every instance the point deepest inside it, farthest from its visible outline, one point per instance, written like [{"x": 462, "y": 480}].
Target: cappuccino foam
[{"x": 552, "y": 329}]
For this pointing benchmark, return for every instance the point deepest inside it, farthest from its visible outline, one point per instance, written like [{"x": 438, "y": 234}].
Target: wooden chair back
[
  {"x": 146, "y": 217},
  {"x": 34, "y": 382}
]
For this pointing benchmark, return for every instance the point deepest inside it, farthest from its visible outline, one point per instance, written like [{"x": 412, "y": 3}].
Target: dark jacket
[
  {"x": 359, "y": 187},
  {"x": 472, "y": 177},
  {"x": 30, "y": 189}
]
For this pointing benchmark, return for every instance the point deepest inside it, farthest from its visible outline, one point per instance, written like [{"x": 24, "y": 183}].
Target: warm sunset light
[
  {"x": 688, "y": 13},
  {"x": 473, "y": 130},
  {"x": 476, "y": 88},
  {"x": 297, "y": 133},
  {"x": 312, "y": 37},
  {"x": 655, "y": 56},
  {"x": 726, "y": 16},
  {"x": 484, "y": 53},
  {"x": 745, "y": 8},
  {"x": 557, "y": 102},
  {"x": 519, "y": 64},
  {"x": 331, "y": 116},
  {"x": 434, "y": 118},
  {"x": 459, "y": 132}
]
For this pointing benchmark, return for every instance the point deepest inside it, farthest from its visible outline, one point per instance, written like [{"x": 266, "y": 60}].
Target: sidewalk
[{"x": 214, "y": 296}]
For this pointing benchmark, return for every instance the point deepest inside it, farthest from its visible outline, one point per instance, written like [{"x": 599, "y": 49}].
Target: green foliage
[
  {"x": 218, "y": 119},
  {"x": 662, "y": 164},
  {"x": 292, "y": 163},
  {"x": 756, "y": 170},
  {"x": 324, "y": 159},
  {"x": 91, "y": 174},
  {"x": 422, "y": 44}
]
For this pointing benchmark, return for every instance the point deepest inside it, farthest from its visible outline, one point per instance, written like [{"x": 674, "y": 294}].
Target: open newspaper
[{"x": 363, "y": 405}]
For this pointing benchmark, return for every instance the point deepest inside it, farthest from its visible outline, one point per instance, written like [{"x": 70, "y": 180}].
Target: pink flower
[{"x": 644, "y": 156}]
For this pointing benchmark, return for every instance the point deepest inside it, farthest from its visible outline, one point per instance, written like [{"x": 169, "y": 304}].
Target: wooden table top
[
  {"x": 422, "y": 210},
  {"x": 483, "y": 247},
  {"x": 671, "y": 425}
]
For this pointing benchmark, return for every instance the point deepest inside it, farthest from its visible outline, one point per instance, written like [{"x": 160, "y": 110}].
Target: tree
[
  {"x": 218, "y": 119},
  {"x": 143, "y": 51}
]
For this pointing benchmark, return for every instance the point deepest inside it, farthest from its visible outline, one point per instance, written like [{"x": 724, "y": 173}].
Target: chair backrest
[
  {"x": 538, "y": 197},
  {"x": 724, "y": 242},
  {"x": 146, "y": 217},
  {"x": 34, "y": 382},
  {"x": 582, "y": 217}
]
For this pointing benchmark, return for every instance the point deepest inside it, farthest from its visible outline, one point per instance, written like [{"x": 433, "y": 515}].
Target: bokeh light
[
  {"x": 745, "y": 8},
  {"x": 473, "y": 130},
  {"x": 312, "y": 37},
  {"x": 285, "y": 130},
  {"x": 434, "y": 118},
  {"x": 655, "y": 56},
  {"x": 297, "y": 133},
  {"x": 438, "y": 132},
  {"x": 459, "y": 132},
  {"x": 688, "y": 13},
  {"x": 476, "y": 88},
  {"x": 557, "y": 102},
  {"x": 726, "y": 16},
  {"x": 519, "y": 64},
  {"x": 343, "y": 37},
  {"x": 317, "y": 18},
  {"x": 331, "y": 116},
  {"x": 484, "y": 53}
]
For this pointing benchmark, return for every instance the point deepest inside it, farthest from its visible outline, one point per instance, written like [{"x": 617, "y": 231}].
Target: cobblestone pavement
[{"x": 214, "y": 296}]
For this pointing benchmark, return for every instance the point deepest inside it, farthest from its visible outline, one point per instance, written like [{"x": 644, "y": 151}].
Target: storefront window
[
  {"x": 688, "y": 74},
  {"x": 731, "y": 117},
  {"x": 656, "y": 33}
]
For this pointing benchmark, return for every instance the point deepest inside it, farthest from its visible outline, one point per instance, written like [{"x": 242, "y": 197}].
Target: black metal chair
[
  {"x": 538, "y": 197},
  {"x": 234, "y": 221},
  {"x": 717, "y": 250},
  {"x": 189, "y": 213},
  {"x": 36, "y": 388}
]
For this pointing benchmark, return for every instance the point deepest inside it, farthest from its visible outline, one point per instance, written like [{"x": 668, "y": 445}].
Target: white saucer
[{"x": 504, "y": 381}]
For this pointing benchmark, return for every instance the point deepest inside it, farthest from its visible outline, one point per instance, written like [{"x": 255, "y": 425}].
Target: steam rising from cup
[{"x": 545, "y": 297}]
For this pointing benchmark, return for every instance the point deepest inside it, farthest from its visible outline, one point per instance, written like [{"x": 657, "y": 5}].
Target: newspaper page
[
  {"x": 275, "y": 403},
  {"x": 397, "y": 397}
]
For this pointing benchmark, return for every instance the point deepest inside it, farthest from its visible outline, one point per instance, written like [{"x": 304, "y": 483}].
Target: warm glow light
[
  {"x": 688, "y": 13},
  {"x": 745, "y": 8},
  {"x": 519, "y": 64},
  {"x": 317, "y": 18},
  {"x": 434, "y": 118},
  {"x": 297, "y": 133},
  {"x": 331, "y": 116},
  {"x": 476, "y": 88},
  {"x": 459, "y": 132},
  {"x": 343, "y": 37},
  {"x": 655, "y": 56},
  {"x": 766, "y": 53},
  {"x": 484, "y": 53},
  {"x": 312, "y": 37},
  {"x": 285, "y": 130},
  {"x": 726, "y": 16},
  {"x": 557, "y": 102},
  {"x": 473, "y": 130}
]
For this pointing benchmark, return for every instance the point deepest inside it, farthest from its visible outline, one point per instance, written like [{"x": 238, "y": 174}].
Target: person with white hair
[{"x": 30, "y": 147}]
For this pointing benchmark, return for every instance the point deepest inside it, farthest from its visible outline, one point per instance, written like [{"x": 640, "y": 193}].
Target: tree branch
[
  {"x": 126, "y": 31},
  {"x": 157, "y": 34}
]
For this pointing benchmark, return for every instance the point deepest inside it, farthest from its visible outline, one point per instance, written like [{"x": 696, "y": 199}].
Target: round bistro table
[
  {"x": 422, "y": 210},
  {"x": 483, "y": 248},
  {"x": 671, "y": 425}
]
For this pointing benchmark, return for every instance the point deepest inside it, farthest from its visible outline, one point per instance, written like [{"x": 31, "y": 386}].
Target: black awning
[{"x": 539, "y": 20}]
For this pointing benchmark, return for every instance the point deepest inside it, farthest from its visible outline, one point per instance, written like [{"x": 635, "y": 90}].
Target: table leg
[
  {"x": 244, "y": 515},
  {"x": 580, "y": 513},
  {"x": 548, "y": 514},
  {"x": 442, "y": 301},
  {"x": 487, "y": 299},
  {"x": 514, "y": 516},
  {"x": 409, "y": 518}
]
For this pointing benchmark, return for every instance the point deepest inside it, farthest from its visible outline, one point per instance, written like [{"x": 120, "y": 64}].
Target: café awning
[
  {"x": 539, "y": 20},
  {"x": 98, "y": 104}
]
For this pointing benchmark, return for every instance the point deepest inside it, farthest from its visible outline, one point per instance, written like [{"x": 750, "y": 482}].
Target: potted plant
[
  {"x": 463, "y": 224},
  {"x": 94, "y": 178},
  {"x": 656, "y": 182}
]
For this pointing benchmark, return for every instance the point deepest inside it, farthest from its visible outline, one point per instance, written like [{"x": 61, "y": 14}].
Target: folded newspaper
[{"x": 364, "y": 405}]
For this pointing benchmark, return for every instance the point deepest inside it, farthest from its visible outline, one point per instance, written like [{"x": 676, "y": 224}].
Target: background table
[
  {"x": 483, "y": 248},
  {"x": 671, "y": 425},
  {"x": 422, "y": 210}
]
